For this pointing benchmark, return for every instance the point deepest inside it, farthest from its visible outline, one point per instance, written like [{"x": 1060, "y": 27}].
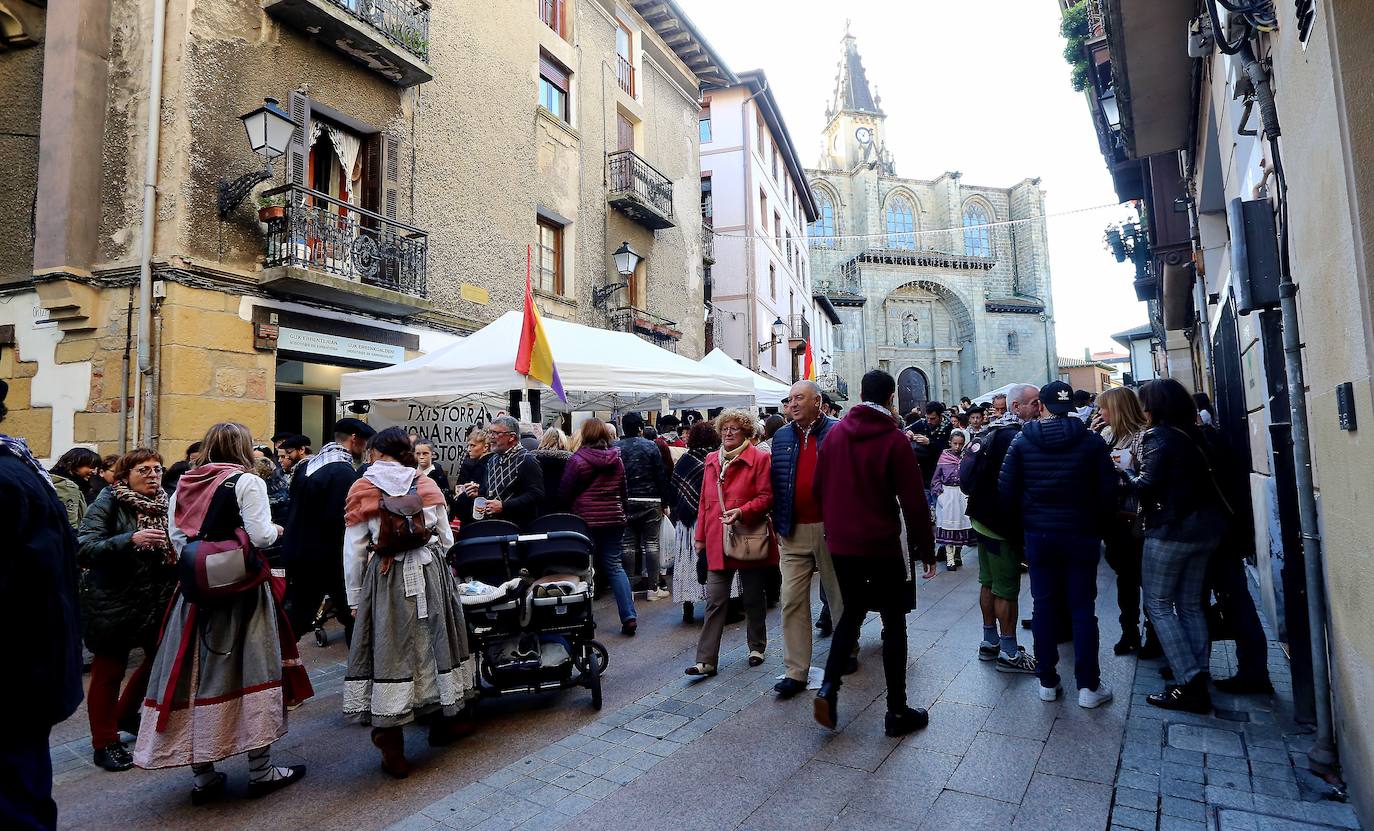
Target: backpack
[
  {"x": 211, "y": 572},
  {"x": 402, "y": 524},
  {"x": 978, "y": 472}
]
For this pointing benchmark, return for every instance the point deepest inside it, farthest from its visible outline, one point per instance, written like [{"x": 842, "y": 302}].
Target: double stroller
[{"x": 527, "y": 603}]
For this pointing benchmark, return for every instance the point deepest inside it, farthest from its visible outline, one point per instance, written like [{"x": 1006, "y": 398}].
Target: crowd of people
[{"x": 213, "y": 566}]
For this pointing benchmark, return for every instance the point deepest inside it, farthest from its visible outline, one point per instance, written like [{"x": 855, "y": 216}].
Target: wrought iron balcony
[
  {"x": 708, "y": 242},
  {"x": 656, "y": 330},
  {"x": 799, "y": 329},
  {"x": 328, "y": 249},
  {"x": 639, "y": 191},
  {"x": 390, "y": 37}
]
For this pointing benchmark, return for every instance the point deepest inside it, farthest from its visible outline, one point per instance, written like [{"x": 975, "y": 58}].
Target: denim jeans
[
  {"x": 641, "y": 542},
  {"x": 1063, "y": 573},
  {"x": 609, "y": 541}
]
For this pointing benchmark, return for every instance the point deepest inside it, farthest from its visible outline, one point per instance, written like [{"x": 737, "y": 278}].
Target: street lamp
[
  {"x": 825, "y": 366},
  {"x": 779, "y": 332},
  {"x": 1111, "y": 109},
  {"x": 626, "y": 261},
  {"x": 269, "y": 131}
]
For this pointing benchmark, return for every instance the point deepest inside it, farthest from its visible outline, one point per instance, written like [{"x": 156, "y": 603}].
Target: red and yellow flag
[
  {"x": 809, "y": 365},
  {"x": 535, "y": 358}
]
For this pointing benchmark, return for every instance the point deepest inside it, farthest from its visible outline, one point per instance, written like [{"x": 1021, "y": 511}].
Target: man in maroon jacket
[{"x": 864, "y": 471}]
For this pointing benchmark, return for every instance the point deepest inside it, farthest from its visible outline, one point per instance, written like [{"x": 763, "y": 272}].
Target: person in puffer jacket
[
  {"x": 1059, "y": 479},
  {"x": 593, "y": 487}
]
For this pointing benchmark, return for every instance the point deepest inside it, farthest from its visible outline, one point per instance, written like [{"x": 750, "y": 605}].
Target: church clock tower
[{"x": 854, "y": 135}]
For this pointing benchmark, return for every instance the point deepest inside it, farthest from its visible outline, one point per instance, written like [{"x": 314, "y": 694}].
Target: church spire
[{"x": 852, "y": 92}]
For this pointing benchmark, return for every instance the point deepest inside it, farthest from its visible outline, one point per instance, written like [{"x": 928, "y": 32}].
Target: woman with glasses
[{"x": 129, "y": 579}]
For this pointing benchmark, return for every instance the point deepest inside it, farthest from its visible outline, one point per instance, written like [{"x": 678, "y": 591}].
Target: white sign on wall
[
  {"x": 445, "y": 427},
  {"x": 338, "y": 346}
]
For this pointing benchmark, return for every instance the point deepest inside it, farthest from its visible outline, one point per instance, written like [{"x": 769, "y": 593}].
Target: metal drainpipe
[
  {"x": 124, "y": 377},
  {"x": 1323, "y": 752},
  {"x": 145, "y": 246}
]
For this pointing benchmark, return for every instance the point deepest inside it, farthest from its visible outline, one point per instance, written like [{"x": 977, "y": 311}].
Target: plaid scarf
[
  {"x": 502, "y": 470},
  {"x": 330, "y": 453},
  {"x": 20, "y": 450},
  {"x": 688, "y": 474},
  {"x": 151, "y": 511}
]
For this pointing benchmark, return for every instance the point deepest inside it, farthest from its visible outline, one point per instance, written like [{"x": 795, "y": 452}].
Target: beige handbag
[{"x": 743, "y": 542}]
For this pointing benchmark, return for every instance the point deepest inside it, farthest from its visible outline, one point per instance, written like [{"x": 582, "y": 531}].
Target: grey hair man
[
  {"x": 514, "y": 486},
  {"x": 801, "y": 535}
]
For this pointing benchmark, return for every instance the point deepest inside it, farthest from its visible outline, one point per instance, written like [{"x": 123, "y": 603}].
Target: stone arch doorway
[{"x": 913, "y": 391}]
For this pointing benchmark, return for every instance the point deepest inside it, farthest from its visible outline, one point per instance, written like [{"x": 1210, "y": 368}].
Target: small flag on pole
[
  {"x": 809, "y": 368},
  {"x": 535, "y": 358}
]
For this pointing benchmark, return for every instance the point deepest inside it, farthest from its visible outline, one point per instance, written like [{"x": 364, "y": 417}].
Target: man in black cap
[
  {"x": 315, "y": 530},
  {"x": 1059, "y": 483},
  {"x": 38, "y": 613}
]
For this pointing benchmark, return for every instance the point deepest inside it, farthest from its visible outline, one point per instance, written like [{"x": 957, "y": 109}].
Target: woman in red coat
[{"x": 739, "y": 471}]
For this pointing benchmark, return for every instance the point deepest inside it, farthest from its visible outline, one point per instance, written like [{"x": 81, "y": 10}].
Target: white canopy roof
[
  {"x": 1005, "y": 390},
  {"x": 768, "y": 391},
  {"x": 600, "y": 370}
]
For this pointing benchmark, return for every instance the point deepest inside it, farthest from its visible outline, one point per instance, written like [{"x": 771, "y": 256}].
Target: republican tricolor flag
[
  {"x": 535, "y": 358},
  {"x": 809, "y": 365}
]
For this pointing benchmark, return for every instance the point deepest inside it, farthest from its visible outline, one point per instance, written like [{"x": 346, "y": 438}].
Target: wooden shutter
[
  {"x": 625, "y": 133},
  {"x": 391, "y": 177},
  {"x": 298, "y": 150},
  {"x": 372, "y": 173}
]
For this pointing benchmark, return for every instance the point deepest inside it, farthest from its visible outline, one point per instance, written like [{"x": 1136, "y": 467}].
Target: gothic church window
[
  {"x": 901, "y": 223},
  {"x": 977, "y": 234},
  {"x": 1013, "y": 343},
  {"x": 824, "y": 226}
]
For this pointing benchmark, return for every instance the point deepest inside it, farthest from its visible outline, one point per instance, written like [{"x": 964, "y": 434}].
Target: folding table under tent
[
  {"x": 599, "y": 369},
  {"x": 767, "y": 391}
]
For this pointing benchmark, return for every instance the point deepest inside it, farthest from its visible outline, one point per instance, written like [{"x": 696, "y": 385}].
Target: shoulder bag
[
  {"x": 745, "y": 542},
  {"x": 212, "y": 571}
]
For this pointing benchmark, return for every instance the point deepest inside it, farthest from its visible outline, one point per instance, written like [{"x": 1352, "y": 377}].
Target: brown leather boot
[
  {"x": 392, "y": 743},
  {"x": 446, "y": 731}
]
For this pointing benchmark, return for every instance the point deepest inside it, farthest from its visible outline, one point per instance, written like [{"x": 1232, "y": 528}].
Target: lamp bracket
[
  {"x": 601, "y": 296},
  {"x": 232, "y": 194},
  {"x": 767, "y": 345}
]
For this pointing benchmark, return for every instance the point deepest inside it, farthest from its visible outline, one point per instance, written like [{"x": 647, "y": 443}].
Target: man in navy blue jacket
[
  {"x": 801, "y": 536},
  {"x": 1059, "y": 479}
]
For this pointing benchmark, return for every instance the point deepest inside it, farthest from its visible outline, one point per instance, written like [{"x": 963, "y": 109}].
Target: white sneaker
[
  {"x": 1094, "y": 698},
  {"x": 661, "y": 594},
  {"x": 1050, "y": 693}
]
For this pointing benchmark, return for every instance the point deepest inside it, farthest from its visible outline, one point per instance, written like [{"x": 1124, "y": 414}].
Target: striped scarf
[{"x": 502, "y": 470}]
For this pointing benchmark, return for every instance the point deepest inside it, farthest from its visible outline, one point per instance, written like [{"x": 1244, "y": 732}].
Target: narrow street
[{"x": 723, "y": 754}]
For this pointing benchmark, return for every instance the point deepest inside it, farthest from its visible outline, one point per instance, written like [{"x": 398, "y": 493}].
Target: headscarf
[{"x": 150, "y": 511}]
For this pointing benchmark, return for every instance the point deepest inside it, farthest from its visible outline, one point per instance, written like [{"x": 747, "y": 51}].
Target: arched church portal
[{"x": 913, "y": 391}]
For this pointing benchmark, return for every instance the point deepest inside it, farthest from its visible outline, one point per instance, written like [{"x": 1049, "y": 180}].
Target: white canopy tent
[
  {"x": 1006, "y": 390},
  {"x": 600, "y": 370},
  {"x": 767, "y": 391}
]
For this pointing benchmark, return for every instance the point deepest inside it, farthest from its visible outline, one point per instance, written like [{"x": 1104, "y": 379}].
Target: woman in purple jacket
[{"x": 593, "y": 487}]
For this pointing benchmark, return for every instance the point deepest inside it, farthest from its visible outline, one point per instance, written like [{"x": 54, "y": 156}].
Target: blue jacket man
[
  {"x": 801, "y": 535},
  {"x": 1059, "y": 478}
]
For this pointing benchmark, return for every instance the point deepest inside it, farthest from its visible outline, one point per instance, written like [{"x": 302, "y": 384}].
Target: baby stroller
[{"x": 536, "y": 632}]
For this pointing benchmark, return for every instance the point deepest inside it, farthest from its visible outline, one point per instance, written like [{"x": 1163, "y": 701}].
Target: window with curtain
[
  {"x": 977, "y": 234},
  {"x": 823, "y": 229},
  {"x": 549, "y": 276},
  {"x": 901, "y": 223}
]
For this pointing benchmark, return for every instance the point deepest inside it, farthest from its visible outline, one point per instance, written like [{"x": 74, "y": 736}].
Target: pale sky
[{"x": 978, "y": 86}]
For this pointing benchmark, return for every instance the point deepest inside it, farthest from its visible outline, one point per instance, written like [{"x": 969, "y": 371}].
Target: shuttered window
[{"x": 555, "y": 83}]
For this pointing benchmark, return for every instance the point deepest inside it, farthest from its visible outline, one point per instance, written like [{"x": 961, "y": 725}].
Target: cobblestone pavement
[{"x": 668, "y": 752}]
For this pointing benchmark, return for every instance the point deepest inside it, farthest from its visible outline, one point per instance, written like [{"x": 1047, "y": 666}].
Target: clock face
[{"x": 863, "y": 134}]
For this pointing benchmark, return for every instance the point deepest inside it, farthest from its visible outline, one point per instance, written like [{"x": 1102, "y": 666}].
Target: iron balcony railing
[
  {"x": 708, "y": 241},
  {"x": 630, "y": 174},
  {"x": 625, "y": 74},
  {"x": 320, "y": 233},
  {"x": 656, "y": 330},
  {"x": 799, "y": 327},
  {"x": 403, "y": 22}
]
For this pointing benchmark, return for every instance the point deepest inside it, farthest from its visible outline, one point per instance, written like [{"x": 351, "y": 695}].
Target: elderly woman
[
  {"x": 735, "y": 492},
  {"x": 684, "y": 504},
  {"x": 129, "y": 579},
  {"x": 226, "y": 672},
  {"x": 593, "y": 487},
  {"x": 409, "y": 659}
]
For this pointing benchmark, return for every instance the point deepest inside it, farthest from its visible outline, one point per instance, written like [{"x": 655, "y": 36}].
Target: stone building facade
[
  {"x": 939, "y": 282},
  {"x": 436, "y": 146}
]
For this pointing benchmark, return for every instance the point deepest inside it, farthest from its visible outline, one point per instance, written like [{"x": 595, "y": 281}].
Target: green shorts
[{"x": 999, "y": 568}]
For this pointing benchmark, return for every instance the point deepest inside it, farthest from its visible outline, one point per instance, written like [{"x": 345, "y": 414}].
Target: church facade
[{"x": 945, "y": 285}]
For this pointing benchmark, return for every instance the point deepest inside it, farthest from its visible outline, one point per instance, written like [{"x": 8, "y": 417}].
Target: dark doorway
[{"x": 913, "y": 391}]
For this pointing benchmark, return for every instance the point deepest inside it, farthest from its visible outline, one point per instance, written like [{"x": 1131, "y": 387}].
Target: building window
[
  {"x": 1013, "y": 343},
  {"x": 763, "y": 152},
  {"x": 555, "y": 81},
  {"x": 775, "y": 163},
  {"x": 549, "y": 257},
  {"x": 708, "y": 208},
  {"x": 977, "y": 234},
  {"x": 777, "y": 230},
  {"x": 791, "y": 261},
  {"x": 554, "y": 13},
  {"x": 773, "y": 281},
  {"x": 901, "y": 223},
  {"x": 763, "y": 211},
  {"x": 704, "y": 125},
  {"x": 624, "y": 133},
  {"x": 624, "y": 58},
  {"x": 823, "y": 229}
]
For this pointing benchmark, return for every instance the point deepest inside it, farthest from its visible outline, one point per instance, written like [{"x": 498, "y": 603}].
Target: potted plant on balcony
[{"x": 271, "y": 207}]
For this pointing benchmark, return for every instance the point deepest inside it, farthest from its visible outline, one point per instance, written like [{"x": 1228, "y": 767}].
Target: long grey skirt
[{"x": 402, "y": 666}]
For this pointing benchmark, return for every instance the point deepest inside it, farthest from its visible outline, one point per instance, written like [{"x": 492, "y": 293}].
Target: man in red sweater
[{"x": 865, "y": 470}]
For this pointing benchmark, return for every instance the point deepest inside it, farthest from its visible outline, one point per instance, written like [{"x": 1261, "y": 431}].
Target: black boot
[
  {"x": 906, "y": 720},
  {"x": 1191, "y": 697},
  {"x": 1129, "y": 643},
  {"x": 825, "y": 626},
  {"x": 687, "y": 610},
  {"x": 827, "y": 708},
  {"x": 1152, "y": 648}
]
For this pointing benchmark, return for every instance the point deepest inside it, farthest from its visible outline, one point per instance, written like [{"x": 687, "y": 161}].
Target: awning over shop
[
  {"x": 600, "y": 370},
  {"x": 768, "y": 392}
]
